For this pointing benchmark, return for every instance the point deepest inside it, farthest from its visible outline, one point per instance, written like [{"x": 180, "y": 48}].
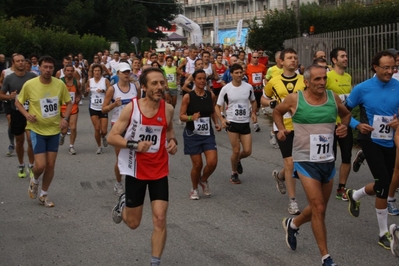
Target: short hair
[
  {"x": 319, "y": 60},
  {"x": 196, "y": 72},
  {"x": 28, "y": 61},
  {"x": 169, "y": 57},
  {"x": 287, "y": 51},
  {"x": 241, "y": 52},
  {"x": 66, "y": 58},
  {"x": 206, "y": 52},
  {"x": 235, "y": 66},
  {"x": 33, "y": 55},
  {"x": 143, "y": 77},
  {"x": 199, "y": 59},
  {"x": 334, "y": 53},
  {"x": 70, "y": 65},
  {"x": 96, "y": 66},
  {"x": 375, "y": 61},
  {"x": 46, "y": 59},
  {"x": 153, "y": 54},
  {"x": 277, "y": 55},
  {"x": 14, "y": 55},
  {"x": 116, "y": 52},
  {"x": 306, "y": 73}
]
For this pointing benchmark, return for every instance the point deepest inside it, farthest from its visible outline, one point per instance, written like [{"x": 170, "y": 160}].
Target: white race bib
[
  {"x": 202, "y": 126},
  {"x": 49, "y": 107},
  {"x": 241, "y": 111},
  {"x": 72, "y": 96},
  {"x": 321, "y": 147},
  {"x": 96, "y": 101},
  {"x": 257, "y": 77},
  {"x": 149, "y": 133},
  {"x": 343, "y": 97},
  {"x": 381, "y": 129},
  {"x": 170, "y": 77},
  {"x": 26, "y": 103}
]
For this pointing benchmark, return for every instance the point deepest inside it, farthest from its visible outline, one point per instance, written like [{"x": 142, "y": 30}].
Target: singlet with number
[
  {"x": 72, "y": 92},
  {"x": 97, "y": 98},
  {"x": 126, "y": 97},
  {"x": 239, "y": 102},
  {"x": 171, "y": 75},
  {"x": 204, "y": 105},
  {"x": 44, "y": 103},
  {"x": 255, "y": 74},
  {"x": 280, "y": 87},
  {"x": 378, "y": 102},
  {"x": 314, "y": 130},
  {"x": 220, "y": 72},
  {"x": 152, "y": 164}
]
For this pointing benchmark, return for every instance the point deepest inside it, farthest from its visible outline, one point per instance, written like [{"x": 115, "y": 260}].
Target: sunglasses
[{"x": 254, "y": 57}]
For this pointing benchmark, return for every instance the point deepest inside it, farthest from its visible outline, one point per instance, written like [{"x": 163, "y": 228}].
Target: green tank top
[{"x": 170, "y": 73}]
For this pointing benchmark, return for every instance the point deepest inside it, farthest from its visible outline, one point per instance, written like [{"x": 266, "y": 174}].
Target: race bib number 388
[{"x": 49, "y": 107}]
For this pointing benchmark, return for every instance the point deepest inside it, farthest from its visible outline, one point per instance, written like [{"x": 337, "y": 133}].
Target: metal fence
[{"x": 361, "y": 45}]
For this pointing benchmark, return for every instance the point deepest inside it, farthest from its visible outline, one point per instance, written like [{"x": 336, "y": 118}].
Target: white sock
[
  {"x": 36, "y": 181},
  {"x": 382, "y": 217},
  {"x": 22, "y": 164},
  {"x": 391, "y": 199},
  {"x": 70, "y": 146},
  {"x": 43, "y": 193},
  {"x": 324, "y": 257},
  {"x": 292, "y": 225},
  {"x": 358, "y": 194},
  {"x": 30, "y": 165}
]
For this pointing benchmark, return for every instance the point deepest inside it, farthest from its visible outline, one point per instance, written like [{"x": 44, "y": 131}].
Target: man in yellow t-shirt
[
  {"x": 275, "y": 70},
  {"x": 275, "y": 92},
  {"x": 340, "y": 82},
  {"x": 45, "y": 94}
]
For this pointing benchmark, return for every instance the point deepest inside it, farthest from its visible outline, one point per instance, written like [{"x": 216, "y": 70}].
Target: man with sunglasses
[{"x": 378, "y": 99}]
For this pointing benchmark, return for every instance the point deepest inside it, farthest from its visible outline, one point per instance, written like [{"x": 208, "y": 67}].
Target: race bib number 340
[
  {"x": 49, "y": 107},
  {"x": 321, "y": 147}
]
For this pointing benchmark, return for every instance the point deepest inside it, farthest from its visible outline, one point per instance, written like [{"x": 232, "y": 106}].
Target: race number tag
[
  {"x": 49, "y": 107},
  {"x": 241, "y": 111},
  {"x": 149, "y": 133},
  {"x": 321, "y": 147},
  {"x": 381, "y": 129},
  {"x": 72, "y": 94},
  {"x": 170, "y": 77},
  {"x": 343, "y": 97},
  {"x": 202, "y": 126},
  {"x": 257, "y": 77},
  {"x": 97, "y": 101},
  {"x": 25, "y": 104}
]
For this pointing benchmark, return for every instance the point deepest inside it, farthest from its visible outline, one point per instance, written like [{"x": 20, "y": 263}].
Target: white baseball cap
[{"x": 122, "y": 67}]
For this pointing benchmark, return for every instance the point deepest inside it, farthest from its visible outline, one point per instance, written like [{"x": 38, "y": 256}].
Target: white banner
[
  {"x": 216, "y": 30},
  {"x": 190, "y": 26},
  {"x": 238, "y": 35}
]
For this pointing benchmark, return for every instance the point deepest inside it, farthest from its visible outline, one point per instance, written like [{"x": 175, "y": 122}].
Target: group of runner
[{"x": 226, "y": 93}]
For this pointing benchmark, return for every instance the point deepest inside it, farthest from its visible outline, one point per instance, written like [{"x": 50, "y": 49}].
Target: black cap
[{"x": 393, "y": 51}]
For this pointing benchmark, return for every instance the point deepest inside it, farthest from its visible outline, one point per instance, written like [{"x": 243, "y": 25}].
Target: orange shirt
[
  {"x": 255, "y": 74},
  {"x": 75, "y": 107}
]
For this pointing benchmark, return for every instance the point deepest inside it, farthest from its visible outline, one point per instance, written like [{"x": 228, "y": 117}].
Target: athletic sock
[
  {"x": 292, "y": 225},
  {"x": 382, "y": 217},
  {"x": 358, "y": 194},
  {"x": 155, "y": 261},
  {"x": 391, "y": 199},
  {"x": 324, "y": 257},
  {"x": 43, "y": 193},
  {"x": 30, "y": 165}
]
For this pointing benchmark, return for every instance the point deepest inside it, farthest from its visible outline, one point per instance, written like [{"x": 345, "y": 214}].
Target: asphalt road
[{"x": 237, "y": 225}]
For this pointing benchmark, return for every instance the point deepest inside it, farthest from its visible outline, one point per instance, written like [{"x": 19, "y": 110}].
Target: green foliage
[
  {"x": 278, "y": 26},
  {"x": 20, "y": 35}
]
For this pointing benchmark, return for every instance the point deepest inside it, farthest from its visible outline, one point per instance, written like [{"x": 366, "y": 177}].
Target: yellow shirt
[
  {"x": 279, "y": 87},
  {"x": 45, "y": 102},
  {"x": 273, "y": 71},
  {"x": 340, "y": 84}
]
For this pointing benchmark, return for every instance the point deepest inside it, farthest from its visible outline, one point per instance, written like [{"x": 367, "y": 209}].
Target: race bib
[
  {"x": 49, "y": 107},
  {"x": 149, "y": 133},
  {"x": 25, "y": 104},
  {"x": 257, "y": 77},
  {"x": 343, "y": 97},
  {"x": 97, "y": 100},
  {"x": 321, "y": 147},
  {"x": 202, "y": 126},
  {"x": 381, "y": 129},
  {"x": 170, "y": 77},
  {"x": 241, "y": 111},
  {"x": 72, "y": 94}
]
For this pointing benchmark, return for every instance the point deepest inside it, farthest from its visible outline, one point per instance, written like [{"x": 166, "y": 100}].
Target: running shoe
[
  {"x": 194, "y": 195},
  {"x": 117, "y": 210},
  {"x": 30, "y": 171},
  {"x": 256, "y": 127},
  {"x": 205, "y": 188},
  {"x": 358, "y": 161},
  {"x": 290, "y": 234},
  {"x": 273, "y": 140},
  {"x": 394, "y": 231},
  {"x": 105, "y": 142},
  {"x": 329, "y": 262},
  {"x": 239, "y": 168},
  {"x": 45, "y": 201},
  {"x": 341, "y": 194},
  {"x": 293, "y": 208},
  {"x": 69, "y": 131},
  {"x": 32, "y": 189},
  {"x": 385, "y": 241},
  {"x": 354, "y": 206},
  {"x": 72, "y": 151},
  {"x": 62, "y": 139},
  {"x": 99, "y": 150},
  {"x": 118, "y": 189},
  {"x": 11, "y": 149},
  {"x": 392, "y": 208},
  {"x": 280, "y": 184},
  {"x": 234, "y": 179},
  {"x": 21, "y": 171}
]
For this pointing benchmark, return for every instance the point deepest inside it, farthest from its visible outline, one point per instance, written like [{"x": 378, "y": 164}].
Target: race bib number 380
[
  {"x": 49, "y": 107},
  {"x": 321, "y": 147}
]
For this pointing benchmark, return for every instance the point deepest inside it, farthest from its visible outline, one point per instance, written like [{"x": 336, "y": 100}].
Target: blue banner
[{"x": 228, "y": 37}]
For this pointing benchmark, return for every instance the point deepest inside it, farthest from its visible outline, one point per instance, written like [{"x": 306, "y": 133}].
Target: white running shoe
[
  {"x": 293, "y": 208},
  {"x": 99, "y": 150},
  {"x": 118, "y": 188},
  {"x": 194, "y": 195}
]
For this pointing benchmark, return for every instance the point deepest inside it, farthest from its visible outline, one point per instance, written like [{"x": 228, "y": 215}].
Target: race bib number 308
[{"x": 49, "y": 107}]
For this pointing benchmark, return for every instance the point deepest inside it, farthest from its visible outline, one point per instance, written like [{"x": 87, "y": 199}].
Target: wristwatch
[
  {"x": 66, "y": 119},
  {"x": 133, "y": 145}
]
